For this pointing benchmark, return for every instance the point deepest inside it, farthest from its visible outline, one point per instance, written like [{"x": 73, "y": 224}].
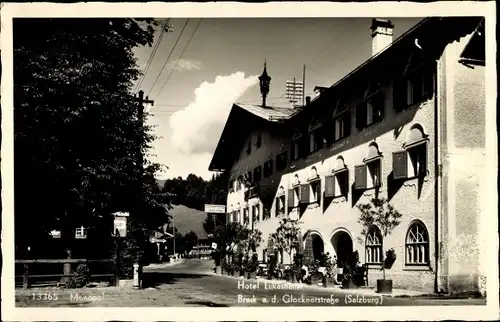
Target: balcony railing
[{"x": 252, "y": 191}]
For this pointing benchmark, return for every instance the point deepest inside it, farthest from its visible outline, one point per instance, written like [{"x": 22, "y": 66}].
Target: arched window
[
  {"x": 417, "y": 245},
  {"x": 374, "y": 246}
]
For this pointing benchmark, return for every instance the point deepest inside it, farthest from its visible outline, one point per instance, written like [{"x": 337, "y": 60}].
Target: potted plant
[
  {"x": 380, "y": 213},
  {"x": 237, "y": 265},
  {"x": 325, "y": 268},
  {"x": 251, "y": 267},
  {"x": 349, "y": 271},
  {"x": 286, "y": 237},
  {"x": 271, "y": 267},
  {"x": 314, "y": 277},
  {"x": 297, "y": 267}
]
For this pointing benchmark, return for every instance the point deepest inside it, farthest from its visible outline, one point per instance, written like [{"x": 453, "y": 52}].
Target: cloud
[
  {"x": 196, "y": 128},
  {"x": 186, "y": 64}
]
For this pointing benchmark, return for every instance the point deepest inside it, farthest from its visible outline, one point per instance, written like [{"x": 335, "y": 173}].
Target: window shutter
[
  {"x": 423, "y": 164},
  {"x": 399, "y": 165},
  {"x": 304, "y": 193},
  {"x": 329, "y": 186},
  {"x": 291, "y": 202},
  {"x": 361, "y": 115},
  {"x": 360, "y": 177}
]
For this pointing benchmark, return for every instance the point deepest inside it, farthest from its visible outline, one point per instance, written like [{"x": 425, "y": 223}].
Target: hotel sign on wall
[{"x": 215, "y": 209}]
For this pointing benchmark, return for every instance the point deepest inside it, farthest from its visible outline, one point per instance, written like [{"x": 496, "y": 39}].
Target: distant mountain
[{"x": 187, "y": 219}]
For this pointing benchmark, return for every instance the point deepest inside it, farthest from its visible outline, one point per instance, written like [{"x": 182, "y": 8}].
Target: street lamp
[{"x": 264, "y": 80}]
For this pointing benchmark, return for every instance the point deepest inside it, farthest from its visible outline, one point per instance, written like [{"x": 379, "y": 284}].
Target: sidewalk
[{"x": 368, "y": 291}]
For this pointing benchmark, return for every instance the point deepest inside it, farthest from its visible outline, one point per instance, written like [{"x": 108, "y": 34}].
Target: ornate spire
[{"x": 264, "y": 80}]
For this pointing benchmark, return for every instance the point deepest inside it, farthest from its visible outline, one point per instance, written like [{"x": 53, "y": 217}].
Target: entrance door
[
  {"x": 318, "y": 246},
  {"x": 342, "y": 244}
]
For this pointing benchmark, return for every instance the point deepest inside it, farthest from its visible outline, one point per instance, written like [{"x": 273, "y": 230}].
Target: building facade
[{"x": 407, "y": 125}]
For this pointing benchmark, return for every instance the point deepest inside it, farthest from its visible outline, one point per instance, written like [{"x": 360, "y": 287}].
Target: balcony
[{"x": 252, "y": 191}]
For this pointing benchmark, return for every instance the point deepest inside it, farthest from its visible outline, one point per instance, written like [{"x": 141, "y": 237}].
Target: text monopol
[{"x": 267, "y": 286}]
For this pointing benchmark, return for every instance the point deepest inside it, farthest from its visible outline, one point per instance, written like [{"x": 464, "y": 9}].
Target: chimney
[
  {"x": 308, "y": 100},
  {"x": 381, "y": 35}
]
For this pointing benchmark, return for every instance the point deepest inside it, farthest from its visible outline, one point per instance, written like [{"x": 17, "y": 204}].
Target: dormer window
[
  {"x": 257, "y": 174},
  {"x": 341, "y": 122},
  {"x": 297, "y": 145},
  {"x": 268, "y": 168},
  {"x": 315, "y": 135},
  {"x": 258, "y": 143},
  {"x": 417, "y": 83},
  {"x": 249, "y": 147},
  {"x": 281, "y": 161}
]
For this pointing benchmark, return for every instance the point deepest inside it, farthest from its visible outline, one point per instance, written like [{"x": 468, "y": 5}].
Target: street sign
[
  {"x": 121, "y": 214},
  {"x": 81, "y": 233},
  {"x": 216, "y": 209},
  {"x": 120, "y": 225}
]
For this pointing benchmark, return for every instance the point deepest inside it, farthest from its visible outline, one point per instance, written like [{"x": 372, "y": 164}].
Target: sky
[{"x": 203, "y": 66}]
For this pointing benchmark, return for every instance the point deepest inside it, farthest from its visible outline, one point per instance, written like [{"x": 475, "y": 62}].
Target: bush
[{"x": 80, "y": 278}]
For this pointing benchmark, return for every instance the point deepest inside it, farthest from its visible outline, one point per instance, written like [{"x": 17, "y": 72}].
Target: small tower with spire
[{"x": 264, "y": 80}]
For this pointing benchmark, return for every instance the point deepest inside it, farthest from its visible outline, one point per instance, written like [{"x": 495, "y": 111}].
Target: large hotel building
[{"x": 407, "y": 125}]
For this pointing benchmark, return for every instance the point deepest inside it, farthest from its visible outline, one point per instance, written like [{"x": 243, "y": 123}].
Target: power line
[
  {"x": 170, "y": 54},
  {"x": 178, "y": 59},
  {"x": 150, "y": 60}
]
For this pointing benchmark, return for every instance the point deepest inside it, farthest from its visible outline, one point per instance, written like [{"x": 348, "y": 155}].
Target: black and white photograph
[{"x": 239, "y": 161}]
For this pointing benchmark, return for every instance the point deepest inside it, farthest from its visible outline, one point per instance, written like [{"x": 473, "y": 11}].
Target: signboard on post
[
  {"x": 214, "y": 246},
  {"x": 120, "y": 226},
  {"x": 215, "y": 209}
]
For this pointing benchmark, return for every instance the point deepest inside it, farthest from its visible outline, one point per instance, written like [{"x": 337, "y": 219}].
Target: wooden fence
[{"x": 26, "y": 276}]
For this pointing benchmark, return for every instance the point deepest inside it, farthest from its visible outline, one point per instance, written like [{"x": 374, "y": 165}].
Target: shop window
[{"x": 417, "y": 245}]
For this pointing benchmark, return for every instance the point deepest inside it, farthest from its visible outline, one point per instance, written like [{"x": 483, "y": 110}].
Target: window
[
  {"x": 374, "y": 246},
  {"x": 266, "y": 214},
  {"x": 257, "y": 174},
  {"x": 315, "y": 192},
  {"x": 296, "y": 196},
  {"x": 234, "y": 219},
  {"x": 239, "y": 183},
  {"x": 249, "y": 147},
  {"x": 305, "y": 195},
  {"x": 238, "y": 216},
  {"x": 259, "y": 140},
  {"x": 411, "y": 162},
  {"x": 374, "y": 173},
  {"x": 418, "y": 80},
  {"x": 371, "y": 110},
  {"x": 246, "y": 217},
  {"x": 342, "y": 126},
  {"x": 281, "y": 161},
  {"x": 268, "y": 168},
  {"x": 337, "y": 184},
  {"x": 255, "y": 213},
  {"x": 419, "y": 86},
  {"x": 417, "y": 245},
  {"x": 315, "y": 140},
  {"x": 280, "y": 205}
]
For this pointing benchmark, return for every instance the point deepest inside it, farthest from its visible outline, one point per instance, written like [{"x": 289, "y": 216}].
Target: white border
[{"x": 284, "y": 9}]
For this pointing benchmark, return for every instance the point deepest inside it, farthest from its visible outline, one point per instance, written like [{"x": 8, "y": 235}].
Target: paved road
[
  {"x": 190, "y": 283},
  {"x": 214, "y": 290}
]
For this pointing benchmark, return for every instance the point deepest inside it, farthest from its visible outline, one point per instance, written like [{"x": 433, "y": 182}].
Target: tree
[
  {"x": 78, "y": 135},
  {"x": 380, "y": 213},
  {"x": 287, "y": 236},
  {"x": 228, "y": 238},
  {"x": 251, "y": 241}
]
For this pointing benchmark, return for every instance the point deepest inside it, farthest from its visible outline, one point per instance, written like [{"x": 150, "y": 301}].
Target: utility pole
[
  {"x": 303, "y": 85},
  {"x": 140, "y": 116}
]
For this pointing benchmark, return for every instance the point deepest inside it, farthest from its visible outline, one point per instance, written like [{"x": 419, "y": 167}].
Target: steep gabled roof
[{"x": 242, "y": 119}]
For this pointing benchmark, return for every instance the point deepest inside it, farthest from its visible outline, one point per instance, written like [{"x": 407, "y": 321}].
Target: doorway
[
  {"x": 318, "y": 246},
  {"x": 343, "y": 246}
]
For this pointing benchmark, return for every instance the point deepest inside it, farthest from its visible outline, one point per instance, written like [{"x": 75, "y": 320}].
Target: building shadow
[
  {"x": 154, "y": 279},
  {"x": 393, "y": 186}
]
